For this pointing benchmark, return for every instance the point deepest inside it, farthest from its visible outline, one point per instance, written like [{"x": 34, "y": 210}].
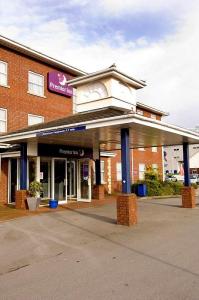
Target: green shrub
[{"x": 159, "y": 188}]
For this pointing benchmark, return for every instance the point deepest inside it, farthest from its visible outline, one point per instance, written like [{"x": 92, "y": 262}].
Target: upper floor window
[
  {"x": 3, "y": 120},
  {"x": 34, "y": 119},
  {"x": 153, "y": 116},
  {"x": 35, "y": 84},
  {"x": 154, "y": 149},
  {"x": 140, "y": 112},
  {"x": 141, "y": 149},
  {"x": 3, "y": 73}
]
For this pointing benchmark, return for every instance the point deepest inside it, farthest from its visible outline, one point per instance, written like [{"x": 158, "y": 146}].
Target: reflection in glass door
[
  {"x": 45, "y": 171},
  {"x": 60, "y": 179},
  {"x": 84, "y": 181},
  {"x": 71, "y": 179}
]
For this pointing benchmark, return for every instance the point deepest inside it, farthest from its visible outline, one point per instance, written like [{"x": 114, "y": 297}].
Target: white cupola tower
[{"x": 105, "y": 89}]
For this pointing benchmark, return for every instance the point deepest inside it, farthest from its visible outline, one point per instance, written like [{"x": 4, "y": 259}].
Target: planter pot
[
  {"x": 53, "y": 203},
  {"x": 33, "y": 203}
]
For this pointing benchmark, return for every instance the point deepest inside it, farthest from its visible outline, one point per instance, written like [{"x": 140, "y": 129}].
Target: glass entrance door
[
  {"x": 71, "y": 180},
  {"x": 13, "y": 179},
  {"x": 60, "y": 177},
  {"x": 84, "y": 180}
]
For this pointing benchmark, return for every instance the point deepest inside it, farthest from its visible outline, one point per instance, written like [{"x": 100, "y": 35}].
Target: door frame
[
  {"x": 65, "y": 200},
  {"x": 79, "y": 181}
]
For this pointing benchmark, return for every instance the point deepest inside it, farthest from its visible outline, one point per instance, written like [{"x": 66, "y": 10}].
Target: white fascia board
[
  {"x": 108, "y": 72},
  {"x": 127, "y": 119},
  {"x": 10, "y": 154}
]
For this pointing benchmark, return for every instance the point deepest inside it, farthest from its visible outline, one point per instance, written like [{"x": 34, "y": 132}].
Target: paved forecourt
[{"x": 83, "y": 254}]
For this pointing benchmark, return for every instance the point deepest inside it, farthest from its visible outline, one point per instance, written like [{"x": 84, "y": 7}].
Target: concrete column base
[
  {"x": 21, "y": 199},
  {"x": 188, "y": 197},
  {"x": 99, "y": 192},
  {"x": 127, "y": 209}
]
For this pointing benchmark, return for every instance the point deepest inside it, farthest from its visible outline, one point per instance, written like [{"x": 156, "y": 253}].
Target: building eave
[
  {"x": 39, "y": 56},
  {"x": 151, "y": 109}
]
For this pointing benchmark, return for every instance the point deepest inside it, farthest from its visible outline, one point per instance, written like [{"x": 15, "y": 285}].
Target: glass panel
[
  {"x": 32, "y": 169},
  {"x": 2, "y": 126},
  {"x": 3, "y": 79},
  {"x": 13, "y": 179},
  {"x": 2, "y": 114},
  {"x": 71, "y": 179},
  {"x": 32, "y": 120},
  {"x": 60, "y": 189},
  {"x": 45, "y": 175},
  {"x": 84, "y": 177},
  {"x": 3, "y": 67}
]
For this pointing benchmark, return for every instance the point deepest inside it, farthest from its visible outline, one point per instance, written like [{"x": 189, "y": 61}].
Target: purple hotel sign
[{"x": 57, "y": 83}]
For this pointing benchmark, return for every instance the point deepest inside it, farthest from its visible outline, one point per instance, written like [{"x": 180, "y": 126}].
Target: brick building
[{"x": 28, "y": 96}]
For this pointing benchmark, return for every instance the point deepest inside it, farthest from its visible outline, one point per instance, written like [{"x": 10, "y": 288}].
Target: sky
[{"x": 156, "y": 41}]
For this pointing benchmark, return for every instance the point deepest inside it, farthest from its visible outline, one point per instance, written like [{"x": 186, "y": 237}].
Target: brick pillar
[
  {"x": 98, "y": 192},
  {"x": 127, "y": 209},
  {"x": 188, "y": 197},
  {"x": 20, "y": 199}
]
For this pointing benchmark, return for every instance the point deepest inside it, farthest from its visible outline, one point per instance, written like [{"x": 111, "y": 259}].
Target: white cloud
[{"x": 170, "y": 66}]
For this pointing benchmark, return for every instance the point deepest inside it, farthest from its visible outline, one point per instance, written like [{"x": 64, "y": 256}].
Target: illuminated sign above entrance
[
  {"x": 57, "y": 83},
  {"x": 64, "y": 151}
]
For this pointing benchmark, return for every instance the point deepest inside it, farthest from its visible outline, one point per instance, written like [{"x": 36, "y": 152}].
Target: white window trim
[
  {"x": 5, "y": 85},
  {"x": 153, "y": 116},
  {"x": 102, "y": 162},
  {"x": 37, "y": 116},
  {"x": 34, "y": 94},
  {"x": 6, "y": 121},
  {"x": 154, "y": 149},
  {"x": 140, "y": 112},
  {"x": 141, "y": 149}
]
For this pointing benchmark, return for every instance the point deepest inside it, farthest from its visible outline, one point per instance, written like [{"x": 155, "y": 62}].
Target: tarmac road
[{"x": 84, "y": 255}]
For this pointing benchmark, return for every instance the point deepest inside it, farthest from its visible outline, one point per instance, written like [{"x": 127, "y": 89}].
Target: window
[
  {"x": 140, "y": 112},
  {"x": 141, "y": 171},
  {"x": 3, "y": 120},
  {"x": 153, "y": 116},
  {"x": 102, "y": 171},
  {"x": 119, "y": 171},
  {"x": 141, "y": 149},
  {"x": 33, "y": 119},
  {"x": 154, "y": 149},
  {"x": 35, "y": 84},
  {"x": 3, "y": 73},
  {"x": 155, "y": 167}
]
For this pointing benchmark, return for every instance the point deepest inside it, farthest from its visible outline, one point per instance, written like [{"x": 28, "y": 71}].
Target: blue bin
[
  {"x": 53, "y": 203},
  {"x": 142, "y": 192}
]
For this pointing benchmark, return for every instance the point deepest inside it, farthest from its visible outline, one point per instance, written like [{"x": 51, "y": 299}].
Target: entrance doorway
[
  {"x": 71, "y": 180},
  {"x": 13, "y": 179}
]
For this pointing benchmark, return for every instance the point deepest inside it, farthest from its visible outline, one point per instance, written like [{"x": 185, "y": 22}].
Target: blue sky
[{"x": 154, "y": 40}]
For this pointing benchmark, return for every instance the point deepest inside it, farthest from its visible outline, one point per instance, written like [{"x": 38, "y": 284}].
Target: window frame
[
  {"x": 154, "y": 149},
  {"x": 6, "y": 74},
  {"x": 140, "y": 112},
  {"x": 6, "y": 120},
  {"x": 43, "y": 78},
  {"x": 32, "y": 115}
]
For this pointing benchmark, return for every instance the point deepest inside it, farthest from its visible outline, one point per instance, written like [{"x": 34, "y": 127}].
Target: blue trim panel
[
  {"x": 186, "y": 164},
  {"x": 125, "y": 158},
  {"x": 23, "y": 167}
]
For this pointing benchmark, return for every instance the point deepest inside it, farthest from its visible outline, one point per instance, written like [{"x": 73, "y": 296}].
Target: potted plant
[{"x": 34, "y": 191}]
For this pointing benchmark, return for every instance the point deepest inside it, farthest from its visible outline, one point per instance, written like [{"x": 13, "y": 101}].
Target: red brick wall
[
  {"x": 148, "y": 158},
  {"x": 3, "y": 181},
  {"x": 16, "y": 99}
]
